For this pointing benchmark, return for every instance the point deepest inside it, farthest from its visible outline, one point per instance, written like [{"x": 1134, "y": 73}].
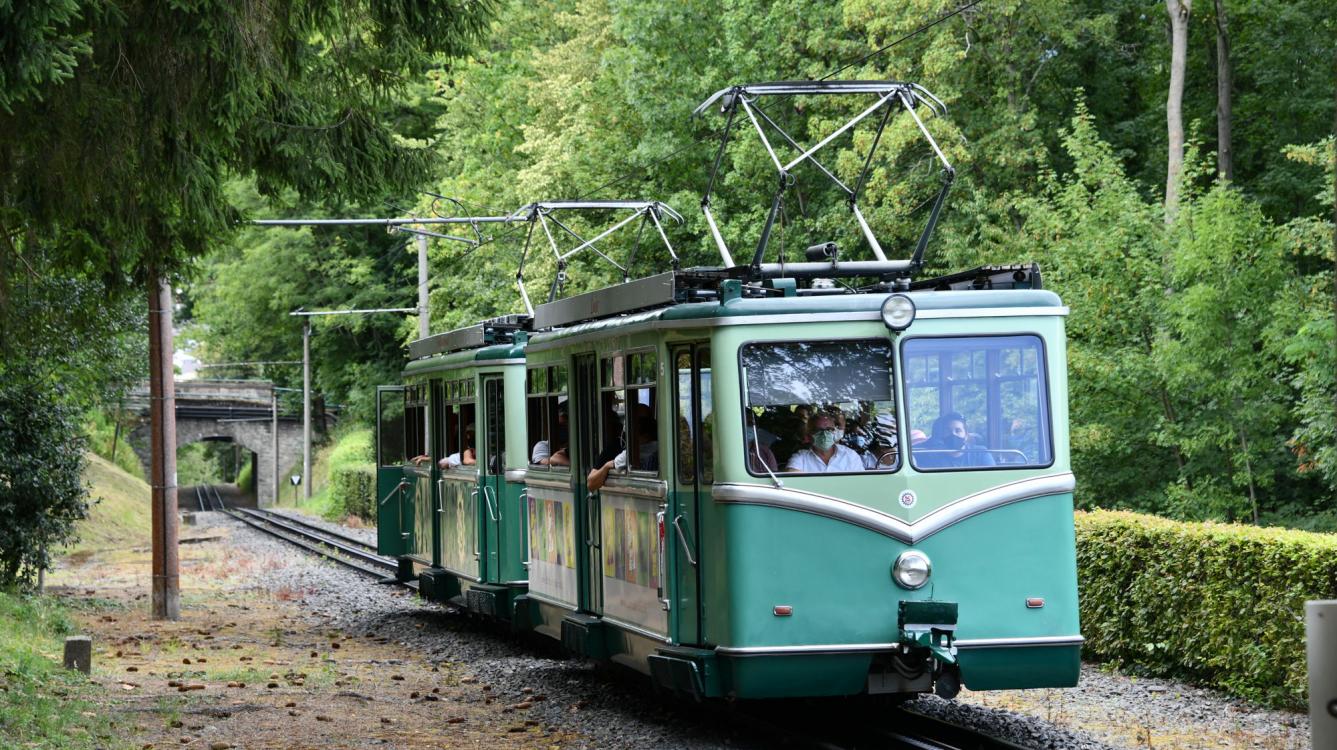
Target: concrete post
[
  {"x": 79, "y": 653},
  {"x": 1321, "y": 640},
  {"x": 306, "y": 410},
  {"x": 162, "y": 474}
]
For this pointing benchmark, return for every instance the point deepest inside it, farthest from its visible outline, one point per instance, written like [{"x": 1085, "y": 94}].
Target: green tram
[{"x": 805, "y": 491}]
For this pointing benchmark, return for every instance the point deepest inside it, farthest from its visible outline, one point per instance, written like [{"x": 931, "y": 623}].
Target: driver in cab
[{"x": 825, "y": 454}]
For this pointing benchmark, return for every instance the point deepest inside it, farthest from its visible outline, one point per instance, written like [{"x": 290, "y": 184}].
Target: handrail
[{"x": 398, "y": 488}]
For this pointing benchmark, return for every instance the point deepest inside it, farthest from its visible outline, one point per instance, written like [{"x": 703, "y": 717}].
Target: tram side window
[
  {"x": 547, "y": 417},
  {"x": 612, "y": 414},
  {"x": 390, "y": 423},
  {"x": 643, "y": 428},
  {"x": 415, "y": 422},
  {"x": 977, "y": 402},
  {"x": 819, "y": 407},
  {"x": 628, "y": 405}
]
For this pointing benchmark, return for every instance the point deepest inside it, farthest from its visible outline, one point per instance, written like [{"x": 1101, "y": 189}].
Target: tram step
[
  {"x": 585, "y": 635},
  {"x": 489, "y": 600},
  {"x": 438, "y": 585},
  {"x": 685, "y": 670}
]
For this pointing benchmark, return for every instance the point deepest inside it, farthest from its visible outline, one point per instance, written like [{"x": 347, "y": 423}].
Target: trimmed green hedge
[
  {"x": 1218, "y": 604},
  {"x": 353, "y": 488}
]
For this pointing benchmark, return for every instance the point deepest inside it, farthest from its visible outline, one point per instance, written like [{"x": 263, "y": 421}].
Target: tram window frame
[
  {"x": 545, "y": 396},
  {"x": 893, "y": 391},
  {"x": 1044, "y": 422},
  {"x": 642, "y": 377},
  {"x": 619, "y": 384},
  {"x": 467, "y": 415},
  {"x": 415, "y": 421}
]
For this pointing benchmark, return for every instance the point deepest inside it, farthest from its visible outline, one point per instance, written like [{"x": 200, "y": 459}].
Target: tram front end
[{"x": 892, "y": 509}]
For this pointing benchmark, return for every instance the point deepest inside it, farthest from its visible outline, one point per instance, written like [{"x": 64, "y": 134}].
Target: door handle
[
  {"x": 682, "y": 537},
  {"x": 488, "y": 500}
]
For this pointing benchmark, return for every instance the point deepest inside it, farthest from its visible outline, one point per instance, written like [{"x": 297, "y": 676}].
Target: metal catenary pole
[
  {"x": 166, "y": 596},
  {"x": 306, "y": 409},
  {"x": 306, "y": 384},
  {"x": 274, "y": 432}
]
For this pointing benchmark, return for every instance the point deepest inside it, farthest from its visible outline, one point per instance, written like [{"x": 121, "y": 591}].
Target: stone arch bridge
[{"x": 239, "y": 411}]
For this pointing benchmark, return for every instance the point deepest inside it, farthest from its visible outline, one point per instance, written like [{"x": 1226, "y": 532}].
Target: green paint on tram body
[{"x": 719, "y": 577}]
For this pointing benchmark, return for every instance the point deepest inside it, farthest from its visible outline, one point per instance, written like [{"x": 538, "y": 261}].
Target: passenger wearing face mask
[
  {"x": 950, "y": 446},
  {"x": 825, "y": 454}
]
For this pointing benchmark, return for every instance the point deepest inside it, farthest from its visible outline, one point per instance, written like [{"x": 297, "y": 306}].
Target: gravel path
[{"x": 614, "y": 707}]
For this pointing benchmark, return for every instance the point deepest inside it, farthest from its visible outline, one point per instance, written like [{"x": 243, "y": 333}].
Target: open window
[
  {"x": 628, "y": 407},
  {"x": 548, "y": 418}
]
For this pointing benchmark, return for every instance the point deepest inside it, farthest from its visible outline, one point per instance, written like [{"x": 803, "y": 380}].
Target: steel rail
[
  {"x": 353, "y": 541},
  {"x": 349, "y": 557},
  {"x": 851, "y": 728}
]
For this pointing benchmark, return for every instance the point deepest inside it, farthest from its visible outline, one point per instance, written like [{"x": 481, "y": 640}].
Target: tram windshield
[
  {"x": 977, "y": 402},
  {"x": 819, "y": 407}
]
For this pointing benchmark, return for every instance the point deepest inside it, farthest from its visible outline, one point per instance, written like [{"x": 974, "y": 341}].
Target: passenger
[
  {"x": 553, "y": 453},
  {"x": 466, "y": 457},
  {"x": 612, "y": 456},
  {"x": 826, "y": 454},
  {"x": 950, "y": 446},
  {"x": 760, "y": 457},
  {"x": 647, "y": 434},
  {"x": 883, "y": 452}
]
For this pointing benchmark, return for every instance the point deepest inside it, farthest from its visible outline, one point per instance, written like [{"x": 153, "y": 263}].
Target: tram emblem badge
[{"x": 908, "y": 499}]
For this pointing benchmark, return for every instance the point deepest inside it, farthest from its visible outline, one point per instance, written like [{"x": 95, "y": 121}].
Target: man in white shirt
[{"x": 826, "y": 454}]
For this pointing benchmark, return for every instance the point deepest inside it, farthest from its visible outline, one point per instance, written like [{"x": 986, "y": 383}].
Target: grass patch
[
  {"x": 121, "y": 516},
  {"x": 350, "y": 448},
  {"x": 104, "y": 440},
  {"x": 42, "y": 705}
]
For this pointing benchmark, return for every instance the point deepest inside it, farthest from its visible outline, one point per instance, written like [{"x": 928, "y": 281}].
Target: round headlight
[
  {"x": 898, "y": 312},
  {"x": 912, "y": 569}
]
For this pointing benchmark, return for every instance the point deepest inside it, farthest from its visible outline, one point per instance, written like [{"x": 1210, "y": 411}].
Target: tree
[
  {"x": 123, "y": 122},
  {"x": 1174, "y": 106},
  {"x": 1225, "y": 82},
  {"x": 53, "y": 328}
]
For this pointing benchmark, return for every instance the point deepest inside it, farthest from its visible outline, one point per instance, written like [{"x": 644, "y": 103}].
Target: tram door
[
  {"x": 585, "y": 433},
  {"x": 694, "y": 475},
  {"x": 391, "y": 522},
  {"x": 492, "y": 476}
]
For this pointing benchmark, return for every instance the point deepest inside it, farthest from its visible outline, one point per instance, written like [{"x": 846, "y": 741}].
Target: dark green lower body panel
[
  {"x": 792, "y": 676},
  {"x": 706, "y": 674},
  {"x": 1020, "y": 667}
]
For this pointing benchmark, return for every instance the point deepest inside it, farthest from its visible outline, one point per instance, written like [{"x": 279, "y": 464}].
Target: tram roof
[
  {"x": 483, "y": 356},
  {"x": 802, "y": 309}
]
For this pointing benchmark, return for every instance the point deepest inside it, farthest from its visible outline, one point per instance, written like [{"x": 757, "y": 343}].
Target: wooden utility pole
[
  {"x": 1225, "y": 82},
  {"x": 162, "y": 469},
  {"x": 1174, "y": 106}
]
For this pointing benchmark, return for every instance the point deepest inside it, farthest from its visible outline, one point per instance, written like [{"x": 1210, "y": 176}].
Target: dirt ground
[{"x": 247, "y": 666}]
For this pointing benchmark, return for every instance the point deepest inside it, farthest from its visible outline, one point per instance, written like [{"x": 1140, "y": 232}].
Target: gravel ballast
[{"x": 613, "y": 707}]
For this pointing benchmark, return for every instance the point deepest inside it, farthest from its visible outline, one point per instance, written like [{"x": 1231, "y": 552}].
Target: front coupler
[{"x": 931, "y": 626}]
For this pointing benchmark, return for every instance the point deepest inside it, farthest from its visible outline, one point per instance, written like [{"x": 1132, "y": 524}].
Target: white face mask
[{"x": 840, "y": 434}]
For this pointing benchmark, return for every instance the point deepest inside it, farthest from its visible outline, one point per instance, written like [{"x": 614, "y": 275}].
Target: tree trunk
[
  {"x": 1174, "y": 106},
  {"x": 1225, "y": 82},
  {"x": 1248, "y": 471}
]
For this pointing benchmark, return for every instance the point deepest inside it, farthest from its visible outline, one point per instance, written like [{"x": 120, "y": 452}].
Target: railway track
[
  {"x": 839, "y": 726},
  {"x": 859, "y": 729},
  {"x": 340, "y": 548}
]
